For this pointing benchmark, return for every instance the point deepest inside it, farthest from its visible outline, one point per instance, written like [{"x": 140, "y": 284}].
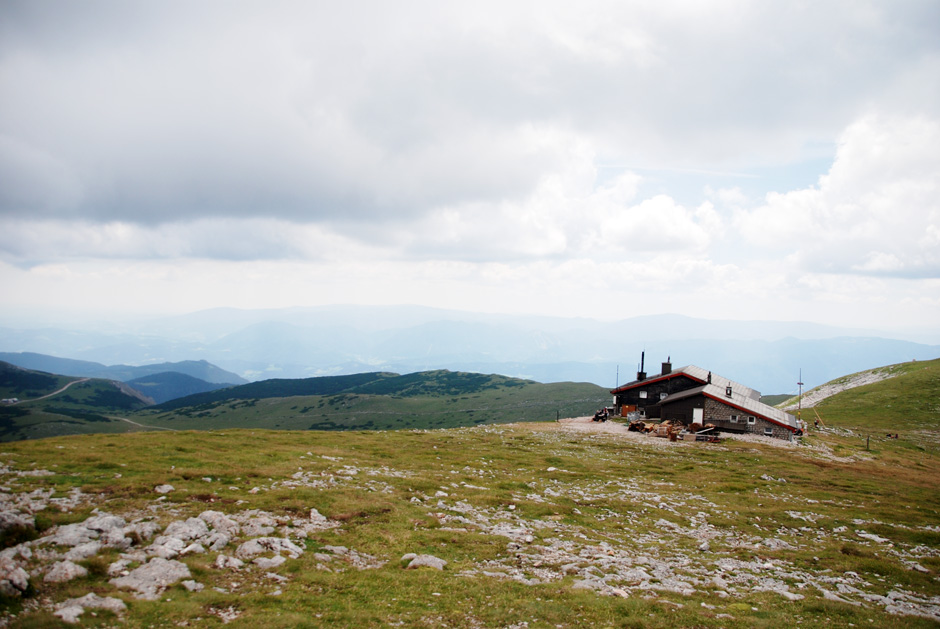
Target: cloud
[
  {"x": 152, "y": 113},
  {"x": 474, "y": 155},
  {"x": 877, "y": 211}
]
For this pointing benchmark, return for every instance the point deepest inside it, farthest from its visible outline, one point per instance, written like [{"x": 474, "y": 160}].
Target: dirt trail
[
  {"x": 130, "y": 421},
  {"x": 35, "y": 399}
]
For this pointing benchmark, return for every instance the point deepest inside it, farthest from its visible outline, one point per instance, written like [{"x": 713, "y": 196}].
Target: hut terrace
[{"x": 692, "y": 395}]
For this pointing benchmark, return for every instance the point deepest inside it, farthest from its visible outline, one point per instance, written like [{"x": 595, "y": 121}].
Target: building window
[
  {"x": 751, "y": 419},
  {"x": 734, "y": 419},
  {"x": 769, "y": 431},
  {"x": 642, "y": 395},
  {"x": 662, "y": 396}
]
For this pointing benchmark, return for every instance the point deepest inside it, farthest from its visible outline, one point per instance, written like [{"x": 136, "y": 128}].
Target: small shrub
[{"x": 17, "y": 534}]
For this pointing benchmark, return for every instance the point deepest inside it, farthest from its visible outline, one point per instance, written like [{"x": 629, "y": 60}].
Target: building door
[{"x": 698, "y": 415}]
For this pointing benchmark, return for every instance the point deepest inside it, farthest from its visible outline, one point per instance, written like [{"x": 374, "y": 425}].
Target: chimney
[
  {"x": 709, "y": 377},
  {"x": 667, "y": 366},
  {"x": 728, "y": 390},
  {"x": 641, "y": 375}
]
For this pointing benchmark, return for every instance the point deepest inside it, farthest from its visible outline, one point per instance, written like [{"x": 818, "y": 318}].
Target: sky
[{"x": 719, "y": 159}]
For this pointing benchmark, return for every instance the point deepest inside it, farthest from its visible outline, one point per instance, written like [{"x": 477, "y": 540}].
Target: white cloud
[
  {"x": 874, "y": 212},
  {"x": 447, "y": 153}
]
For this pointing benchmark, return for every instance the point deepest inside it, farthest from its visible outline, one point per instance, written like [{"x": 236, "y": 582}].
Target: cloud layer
[{"x": 491, "y": 149}]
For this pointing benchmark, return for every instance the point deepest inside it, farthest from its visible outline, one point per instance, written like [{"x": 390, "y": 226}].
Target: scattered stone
[
  {"x": 14, "y": 580},
  {"x": 153, "y": 577},
  {"x": 276, "y": 545},
  {"x": 267, "y": 563},
  {"x": 15, "y": 519},
  {"x": 72, "y": 609},
  {"x": 194, "y": 548},
  {"x": 873, "y": 537},
  {"x": 777, "y": 544},
  {"x": 119, "y": 568},
  {"x": 424, "y": 561},
  {"x": 224, "y": 562},
  {"x": 225, "y": 614},
  {"x": 193, "y": 586},
  {"x": 164, "y": 489},
  {"x": 191, "y": 529},
  {"x": 64, "y": 571},
  {"x": 83, "y": 551},
  {"x": 166, "y": 547},
  {"x": 220, "y": 522}
]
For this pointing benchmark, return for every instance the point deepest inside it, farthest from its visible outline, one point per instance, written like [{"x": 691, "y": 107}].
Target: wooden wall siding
[
  {"x": 653, "y": 391},
  {"x": 681, "y": 410}
]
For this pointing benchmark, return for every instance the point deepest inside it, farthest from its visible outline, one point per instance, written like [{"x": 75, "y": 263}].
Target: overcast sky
[{"x": 742, "y": 160}]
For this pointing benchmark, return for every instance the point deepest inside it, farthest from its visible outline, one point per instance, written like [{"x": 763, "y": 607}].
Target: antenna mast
[{"x": 799, "y": 412}]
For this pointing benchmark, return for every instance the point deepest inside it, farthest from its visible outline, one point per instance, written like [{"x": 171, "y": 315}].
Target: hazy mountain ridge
[
  {"x": 169, "y": 385},
  {"x": 199, "y": 369},
  {"x": 340, "y": 340}
]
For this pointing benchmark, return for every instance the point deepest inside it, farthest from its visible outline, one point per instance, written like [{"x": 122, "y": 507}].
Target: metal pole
[{"x": 799, "y": 412}]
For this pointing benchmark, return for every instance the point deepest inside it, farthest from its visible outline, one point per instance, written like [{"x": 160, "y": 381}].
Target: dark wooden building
[{"x": 694, "y": 395}]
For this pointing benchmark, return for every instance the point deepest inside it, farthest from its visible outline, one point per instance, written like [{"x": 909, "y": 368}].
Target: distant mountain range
[
  {"x": 199, "y": 369},
  {"x": 159, "y": 382},
  {"x": 338, "y": 340}
]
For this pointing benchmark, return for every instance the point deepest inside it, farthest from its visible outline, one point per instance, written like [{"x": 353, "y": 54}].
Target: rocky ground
[{"x": 666, "y": 543}]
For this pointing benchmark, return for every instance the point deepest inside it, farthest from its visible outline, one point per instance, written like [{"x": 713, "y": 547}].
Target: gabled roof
[
  {"x": 695, "y": 373},
  {"x": 738, "y": 401}
]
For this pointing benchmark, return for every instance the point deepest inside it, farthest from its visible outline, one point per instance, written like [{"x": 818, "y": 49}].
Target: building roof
[
  {"x": 699, "y": 375},
  {"x": 737, "y": 400}
]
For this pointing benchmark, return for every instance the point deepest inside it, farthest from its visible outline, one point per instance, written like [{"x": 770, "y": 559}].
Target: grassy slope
[
  {"x": 909, "y": 401},
  {"x": 378, "y": 401},
  {"x": 25, "y": 384},
  {"x": 572, "y": 482},
  {"x": 85, "y": 407},
  {"x": 355, "y": 411}
]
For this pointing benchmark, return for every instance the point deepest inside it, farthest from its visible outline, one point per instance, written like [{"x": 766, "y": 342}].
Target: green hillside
[
  {"x": 371, "y": 401},
  {"x": 278, "y": 388},
  {"x": 51, "y": 405},
  {"x": 541, "y": 524},
  {"x": 908, "y": 401},
  {"x": 24, "y": 384},
  {"x": 427, "y": 400}
]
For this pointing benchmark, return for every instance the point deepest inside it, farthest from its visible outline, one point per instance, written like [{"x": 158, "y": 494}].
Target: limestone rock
[
  {"x": 153, "y": 577},
  {"x": 220, "y": 522},
  {"x": 13, "y": 579},
  {"x": 83, "y": 551},
  {"x": 276, "y": 545},
  {"x": 189, "y": 530},
  {"x": 166, "y": 547},
  {"x": 269, "y": 562},
  {"x": 14, "y": 519},
  {"x": 64, "y": 571},
  {"x": 72, "y": 609},
  {"x": 425, "y": 561},
  {"x": 223, "y": 562},
  {"x": 164, "y": 489}
]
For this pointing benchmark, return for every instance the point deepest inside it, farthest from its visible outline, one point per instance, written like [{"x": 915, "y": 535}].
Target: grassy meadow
[{"x": 543, "y": 524}]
